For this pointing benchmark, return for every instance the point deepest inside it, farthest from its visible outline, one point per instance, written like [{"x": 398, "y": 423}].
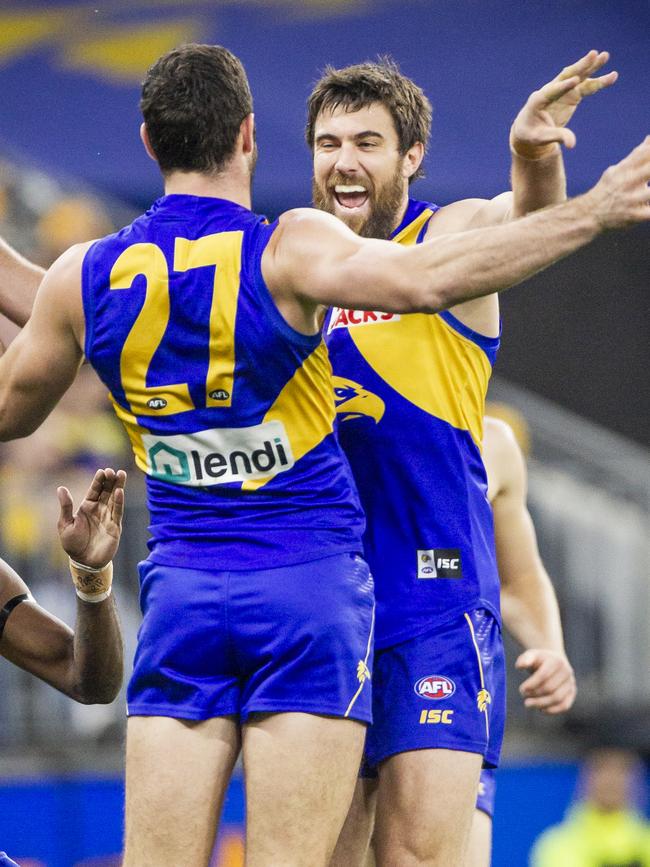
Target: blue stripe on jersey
[{"x": 229, "y": 410}]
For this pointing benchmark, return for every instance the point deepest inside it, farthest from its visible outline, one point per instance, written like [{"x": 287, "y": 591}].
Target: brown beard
[{"x": 385, "y": 205}]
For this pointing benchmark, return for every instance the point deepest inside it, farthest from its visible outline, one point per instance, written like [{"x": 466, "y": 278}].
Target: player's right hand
[
  {"x": 551, "y": 687},
  {"x": 92, "y": 534},
  {"x": 622, "y": 196}
]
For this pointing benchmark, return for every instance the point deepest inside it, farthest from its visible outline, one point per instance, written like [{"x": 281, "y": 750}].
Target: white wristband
[
  {"x": 85, "y": 568},
  {"x": 94, "y": 597}
]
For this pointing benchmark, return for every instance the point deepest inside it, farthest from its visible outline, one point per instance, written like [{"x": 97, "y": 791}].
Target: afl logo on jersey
[
  {"x": 157, "y": 403},
  {"x": 435, "y": 686}
]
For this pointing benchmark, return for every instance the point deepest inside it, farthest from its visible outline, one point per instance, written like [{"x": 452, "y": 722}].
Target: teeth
[{"x": 351, "y": 188}]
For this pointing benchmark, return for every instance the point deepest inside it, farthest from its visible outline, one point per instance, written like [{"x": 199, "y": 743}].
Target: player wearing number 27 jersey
[{"x": 230, "y": 415}]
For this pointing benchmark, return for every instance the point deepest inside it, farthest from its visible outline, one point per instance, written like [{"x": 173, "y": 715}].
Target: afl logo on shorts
[{"x": 435, "y": 686}]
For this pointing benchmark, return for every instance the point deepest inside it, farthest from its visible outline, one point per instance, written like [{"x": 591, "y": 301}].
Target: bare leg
[
  {"x": 300, "y": 771},
  {"x": 479, "y": 853},
  {"x": 425, "y": 805},
  {"x": 353, "y": 845},
  {"x": 177, "y": 773}
]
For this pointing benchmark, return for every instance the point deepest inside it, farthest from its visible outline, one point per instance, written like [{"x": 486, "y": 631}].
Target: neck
[
  {"x": 399, "y": 216},
  {"x": 233, "y": 186}
]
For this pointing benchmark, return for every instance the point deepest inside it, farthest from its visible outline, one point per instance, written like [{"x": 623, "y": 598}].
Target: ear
[
  {"x": 412, "y": 160},
  {"x": 144, "y": 135},
  {"x": 247, "y": 133}
]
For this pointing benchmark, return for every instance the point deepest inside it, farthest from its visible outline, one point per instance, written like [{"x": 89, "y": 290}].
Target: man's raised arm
[
  {"x": 540, "y": 129},
  {"x": 314, "y": 257}
]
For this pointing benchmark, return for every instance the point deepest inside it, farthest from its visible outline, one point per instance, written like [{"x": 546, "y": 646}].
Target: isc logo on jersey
[
  {"x": 439, "y": 563},
  {"x": 435, "y": 686},
  {"x": 219, "y": 455},
  {"x": 342, "y": 318}
]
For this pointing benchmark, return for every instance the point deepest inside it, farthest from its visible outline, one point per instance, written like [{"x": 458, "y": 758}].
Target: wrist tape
[{"x": 92, "y": 585}]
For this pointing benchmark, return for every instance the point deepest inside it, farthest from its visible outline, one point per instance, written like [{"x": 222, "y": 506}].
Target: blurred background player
[
  {"x": 605, "y": 828},
  {"x": 306, "y": 260},
  {"x": 528, "y": 603},
  {"x": 410, "y": 396},
  {"x": 85, "y": 664}
]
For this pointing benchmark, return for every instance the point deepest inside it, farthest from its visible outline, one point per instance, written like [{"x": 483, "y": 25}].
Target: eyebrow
[{"x": 367, "y": 133}]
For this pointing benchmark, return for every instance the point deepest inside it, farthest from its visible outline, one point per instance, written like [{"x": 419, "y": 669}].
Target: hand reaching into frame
[
  {"x": 91, "y": 535},
  {"x": 541, "y": 123},
  {"x": 551, "y": 687}
]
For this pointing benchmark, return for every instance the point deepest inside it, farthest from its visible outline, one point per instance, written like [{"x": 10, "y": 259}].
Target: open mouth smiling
[{"x": 350, "y": 195}]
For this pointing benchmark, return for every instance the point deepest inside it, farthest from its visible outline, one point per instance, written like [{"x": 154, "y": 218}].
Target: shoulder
[
  {"x": 556, "y": 847},
  {"x": 498, "y": 434},
  {"x": 305, "y": 233},
  {"x": 470, "y": 214},
  {"x": 66, "y": 270},
  {"x": 308, "y": 220},
  {"x": 502, "y": 457}
]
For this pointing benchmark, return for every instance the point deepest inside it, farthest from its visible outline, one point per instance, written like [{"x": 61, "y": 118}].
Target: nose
[{"x": 347, "y": 162}]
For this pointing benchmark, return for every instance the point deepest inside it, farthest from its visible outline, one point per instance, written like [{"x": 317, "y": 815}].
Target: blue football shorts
[
  {"x": 292, "y": 638},
  {"x": 444, "y": 689},
  {"x": 487, "y": 790}
]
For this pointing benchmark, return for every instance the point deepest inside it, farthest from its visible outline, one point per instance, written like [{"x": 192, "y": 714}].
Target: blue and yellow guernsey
[
  {"x": 410, "y": 394},
  {"x": 229, "y": 410}
]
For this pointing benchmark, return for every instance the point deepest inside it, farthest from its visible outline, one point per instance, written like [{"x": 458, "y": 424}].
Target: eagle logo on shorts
[
  {"x": 483, "y": 699},
  {"x": 363, "y": 672}
]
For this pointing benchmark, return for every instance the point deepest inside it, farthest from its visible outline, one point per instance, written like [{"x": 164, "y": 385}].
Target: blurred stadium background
[{"x": 574, "y": 360}]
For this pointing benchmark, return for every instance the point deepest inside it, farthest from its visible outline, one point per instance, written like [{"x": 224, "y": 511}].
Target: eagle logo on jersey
[
  {"x": 353, "y": 401},
  {"x": 483, "y": 699}
]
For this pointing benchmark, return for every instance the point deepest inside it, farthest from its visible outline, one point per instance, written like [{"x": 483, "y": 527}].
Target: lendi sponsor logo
[
  {"x": 219, "y": 455},
  {"x": 440, "y": 563},
  {"x": 342, "y": 318}
]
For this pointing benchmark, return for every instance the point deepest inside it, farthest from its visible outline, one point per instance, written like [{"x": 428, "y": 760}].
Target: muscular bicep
[
  {"x": 43, "y": 360},
  {"x": 314, "y": 256}
]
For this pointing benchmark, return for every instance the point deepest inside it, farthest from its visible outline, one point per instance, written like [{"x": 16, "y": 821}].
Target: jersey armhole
[
  {"x": 262, "y": 237},
  {"x": 489, "y": 345},
  {"x": 87, "y": 301}
]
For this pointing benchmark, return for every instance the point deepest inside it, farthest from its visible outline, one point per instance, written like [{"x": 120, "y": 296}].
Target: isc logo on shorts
[
  {"x": 220, "y": 455},
  {"x": 433, "y": 717},
  {"x": 342, "y": 318},
  {"x": 439, "y": 563},
  {"x": 435, "y": 686}
]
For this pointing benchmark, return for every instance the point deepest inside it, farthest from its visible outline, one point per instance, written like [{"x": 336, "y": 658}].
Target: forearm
[
  {"x": 537, "y": 180},
  {"x": 97, "y": 665},
  {"x": 459, "y": 267},
  {"x": 531, "y": 613},
  {"x": 19, "y": 280}
]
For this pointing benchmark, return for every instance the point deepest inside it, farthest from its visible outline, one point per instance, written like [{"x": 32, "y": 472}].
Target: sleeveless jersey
[
  {"x": 229, "y": 410},
  {"x": 410, "y": 393}
]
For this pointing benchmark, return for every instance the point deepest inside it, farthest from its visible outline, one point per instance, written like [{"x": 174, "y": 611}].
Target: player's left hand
[
  {"x": 551, "y": 687},
  {"x": 92, "y": 534},
  {"x": 541, "y": 124}
]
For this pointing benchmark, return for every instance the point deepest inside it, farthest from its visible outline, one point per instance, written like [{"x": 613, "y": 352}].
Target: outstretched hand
[
  {"x": 92, "y": 534},
  {"x": 551, "y": 687},
  {"x": 541, "y": 124}
]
